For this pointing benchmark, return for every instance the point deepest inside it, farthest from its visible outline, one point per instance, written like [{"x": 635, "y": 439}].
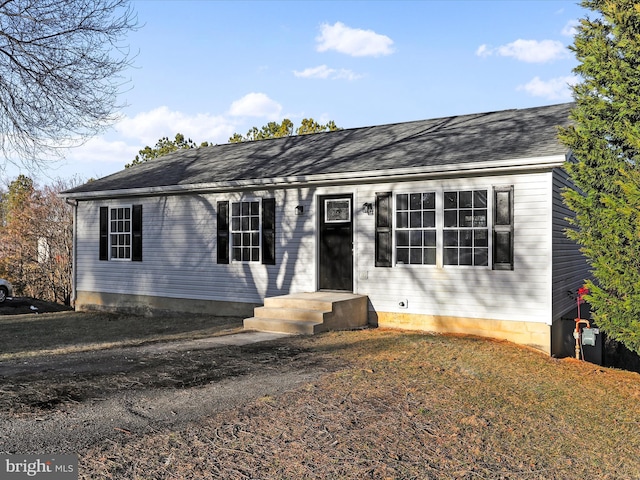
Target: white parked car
[{"x": 6, "y": 290}]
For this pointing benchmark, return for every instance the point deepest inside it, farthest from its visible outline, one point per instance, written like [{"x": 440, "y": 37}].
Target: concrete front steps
[{"x": 309, "y": 313}]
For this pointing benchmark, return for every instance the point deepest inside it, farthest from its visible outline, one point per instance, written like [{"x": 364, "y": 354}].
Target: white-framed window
[
  {"x": 416, "y": 228},
  {"x": 446, "y": 227},
  {"x": 465, "y": 228},
  {"x": 245, "y": 231},
  {"x": 120, "y": 233},
  {"x": 442, "y": 227}
]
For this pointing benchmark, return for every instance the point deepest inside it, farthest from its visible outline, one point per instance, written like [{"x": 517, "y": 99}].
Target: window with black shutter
[
  {"x": 384, "y": 230},
  {"x": 223, "y": 232},
  {"x": 121, "y": 233},
  {"x": 247, "y": 231},
  {"x": 136, "y": 233},
  {"x": 104, "y": 233},
  {"x": 503, "y": 228},
  {"x": 269, "y": 231},
  {"x": 466, "y": 229}
]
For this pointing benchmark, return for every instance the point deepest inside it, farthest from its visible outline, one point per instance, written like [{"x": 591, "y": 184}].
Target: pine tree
[
  {"x": 284, "y": 129},
  {"x": 162, "y": 147},
  {"x": 605, "y": 144}
]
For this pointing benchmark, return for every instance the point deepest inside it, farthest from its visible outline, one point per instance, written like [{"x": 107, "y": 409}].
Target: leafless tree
[{"x": 61, "y": 65}]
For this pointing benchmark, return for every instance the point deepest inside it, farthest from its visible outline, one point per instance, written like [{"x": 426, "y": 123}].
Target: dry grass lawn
[
  {"x": 408, "y": 405},
  {"x": 396, "y": 405},
  {"x": 24, "y": 336}
]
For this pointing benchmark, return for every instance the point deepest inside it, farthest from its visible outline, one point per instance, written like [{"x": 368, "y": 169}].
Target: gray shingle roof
[{"x": 493, "y": 136}]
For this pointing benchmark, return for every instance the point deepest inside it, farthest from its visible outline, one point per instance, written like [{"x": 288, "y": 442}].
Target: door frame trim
[{"x": 319, "y": 220}]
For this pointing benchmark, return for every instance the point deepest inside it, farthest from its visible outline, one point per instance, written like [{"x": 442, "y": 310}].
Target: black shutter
[
  {"x": 104, "y": 233},
  {"x": 269, "y": 231},
  {"x": 503, "y": 228},
  {"x": 136, "y": 233},
  {"x": 384, "y": 230},
  {"x": 223, "y": 232}
]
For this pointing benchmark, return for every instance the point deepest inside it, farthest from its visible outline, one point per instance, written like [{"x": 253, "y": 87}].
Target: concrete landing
[{"x": 309, "y": 313}]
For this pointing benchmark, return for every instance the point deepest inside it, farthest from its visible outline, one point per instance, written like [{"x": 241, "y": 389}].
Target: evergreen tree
[
  {"x": 605, "y": 142},
  {"x": 164, "y": 146},
  {"x": 284, "y": 129}
]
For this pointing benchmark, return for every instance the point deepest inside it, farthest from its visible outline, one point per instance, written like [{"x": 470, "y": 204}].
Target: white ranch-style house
[{"x": 449, "y": 225}]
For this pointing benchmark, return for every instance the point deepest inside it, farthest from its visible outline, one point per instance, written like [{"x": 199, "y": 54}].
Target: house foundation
[
  {"x": 532, "y": 334},
  {"x": 150, "y": 305}
]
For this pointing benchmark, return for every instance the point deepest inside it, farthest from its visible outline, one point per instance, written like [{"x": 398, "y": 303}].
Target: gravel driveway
[{"x": 67, "y": 403}]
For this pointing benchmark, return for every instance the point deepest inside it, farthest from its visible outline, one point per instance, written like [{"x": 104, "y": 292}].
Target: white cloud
[
  {"x": 346, "y": 74},
  {"x": 256, "y": 105},
  {"x": 109, "y": 153},
  {"x": 553, "y": 89},
  {"x": 321, "y": 71},
  {"x": 570, "y": 29},
  {"x": 483, "y": 50},
  {"x": 106, "y": 154},
  {"x": 99, "y": 157},
  {"x": 530, "y": 51},
  {"x": 353, "y": 41},
  {"x": 103, "y": 150},
  {"x": 324, "y": 72},
  {"x": 148, "y": 127}
]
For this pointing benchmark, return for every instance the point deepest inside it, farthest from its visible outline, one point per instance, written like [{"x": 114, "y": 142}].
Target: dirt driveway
[{"x": 67, "y": 403}]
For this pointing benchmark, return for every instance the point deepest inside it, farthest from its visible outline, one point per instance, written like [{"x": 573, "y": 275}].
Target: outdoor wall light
[
  {"x": 367, "y": 208},
  {"x": 299, "y": 209}
]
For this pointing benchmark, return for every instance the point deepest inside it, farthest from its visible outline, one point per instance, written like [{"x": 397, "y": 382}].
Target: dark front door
[{"x": 336, "y": 242}]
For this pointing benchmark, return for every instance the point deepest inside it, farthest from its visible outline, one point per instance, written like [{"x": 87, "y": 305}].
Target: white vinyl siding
[
  {"x": 181, "y": 252},
  {"x": 521, "y": 294}
]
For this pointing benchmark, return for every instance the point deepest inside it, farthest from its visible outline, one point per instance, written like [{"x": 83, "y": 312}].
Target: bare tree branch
[{"x": 60, "y": 73}]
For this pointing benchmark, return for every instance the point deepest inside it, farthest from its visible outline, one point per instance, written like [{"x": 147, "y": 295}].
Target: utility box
[
  {"x": 589, "y": 336},
  {"x": 593, "y": 348},
  {"x": 563, "y": 344}
]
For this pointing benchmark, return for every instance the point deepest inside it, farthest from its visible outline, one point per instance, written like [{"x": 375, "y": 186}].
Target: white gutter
[{"x": 373, "y": 176}]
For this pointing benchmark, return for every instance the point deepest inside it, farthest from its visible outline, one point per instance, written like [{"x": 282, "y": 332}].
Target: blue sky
[{"x": 208, "y": 69}]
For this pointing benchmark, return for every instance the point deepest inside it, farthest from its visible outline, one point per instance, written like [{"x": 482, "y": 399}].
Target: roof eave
[{"x": 374, "y": 176}]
